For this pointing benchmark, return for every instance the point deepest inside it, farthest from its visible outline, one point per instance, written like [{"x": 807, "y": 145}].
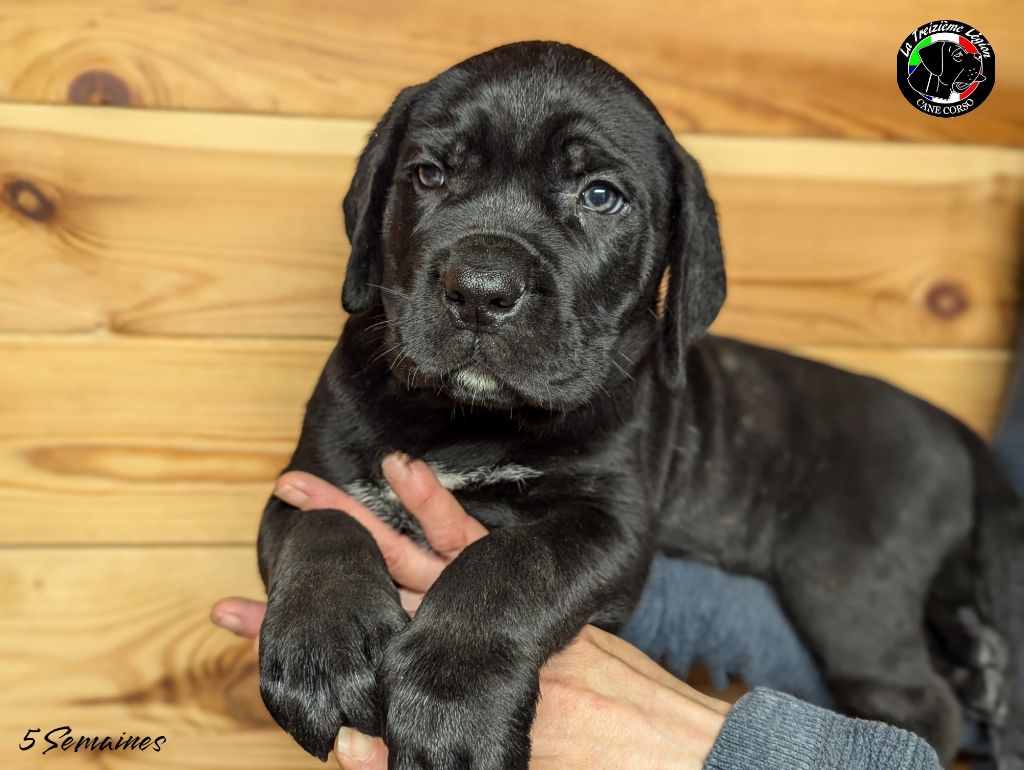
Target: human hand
[
  {"x": 446, "y": 525},
  {"x": 604, "y": 705},
  {"x": 603, "y": 702}
]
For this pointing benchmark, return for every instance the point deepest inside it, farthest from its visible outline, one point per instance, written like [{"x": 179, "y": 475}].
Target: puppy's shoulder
[{"x": 774, "y": 379}]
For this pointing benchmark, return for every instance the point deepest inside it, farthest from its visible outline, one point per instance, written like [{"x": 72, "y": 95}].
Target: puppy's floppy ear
[
  {"x": 696, "y": 273},
  {"x": 364, "y": 204}
]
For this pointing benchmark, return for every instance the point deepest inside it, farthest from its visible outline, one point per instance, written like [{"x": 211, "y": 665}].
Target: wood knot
[
  {"x": 28, "y": 200},
  {"x": 97, "y": 87},
  {"x": 947, "y": 300}
]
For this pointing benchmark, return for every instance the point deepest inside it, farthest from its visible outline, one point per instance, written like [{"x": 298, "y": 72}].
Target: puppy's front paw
[
  {"x": 318, "y": 664},
  {"x": 456, "y": 704}
]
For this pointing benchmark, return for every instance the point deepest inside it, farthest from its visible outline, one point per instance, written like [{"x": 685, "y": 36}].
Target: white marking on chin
[{"x": 476, "y": 380}]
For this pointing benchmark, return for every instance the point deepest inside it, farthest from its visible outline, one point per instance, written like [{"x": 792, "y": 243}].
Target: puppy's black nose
[{"x": 482, "y": 295}]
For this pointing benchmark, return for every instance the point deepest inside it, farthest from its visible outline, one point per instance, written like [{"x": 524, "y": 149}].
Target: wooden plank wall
[{"x": 169, "y": 279}]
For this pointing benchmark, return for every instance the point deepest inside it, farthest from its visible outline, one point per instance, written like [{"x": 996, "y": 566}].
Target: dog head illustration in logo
[{"x": 945, "y": 67}]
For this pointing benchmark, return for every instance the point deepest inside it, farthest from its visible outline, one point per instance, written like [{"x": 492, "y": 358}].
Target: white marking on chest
[{"x": 381, "y": 499}]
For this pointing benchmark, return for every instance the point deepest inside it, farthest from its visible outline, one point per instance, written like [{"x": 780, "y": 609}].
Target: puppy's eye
[
  {"x": 430, "y": 176},
  {"x": 602, "y": 198}
]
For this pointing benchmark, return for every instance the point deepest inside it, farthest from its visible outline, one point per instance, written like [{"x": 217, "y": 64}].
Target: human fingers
[
  {"x": 355, "y": 751},
  {"x": 310, "y": 493},
  {"x": 241, "y": 617},
  {"x": 446, "y": 525},
  {"x": 409, "y": 565},
  {"x": 410, "y": 600}
]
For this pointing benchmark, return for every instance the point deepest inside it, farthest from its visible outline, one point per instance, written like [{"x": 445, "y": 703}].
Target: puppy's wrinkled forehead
[{"x": 536, "y": 100}]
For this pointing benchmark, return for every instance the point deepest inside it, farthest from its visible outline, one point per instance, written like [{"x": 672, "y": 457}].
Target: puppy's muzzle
[{"x": 486, "y": 282}]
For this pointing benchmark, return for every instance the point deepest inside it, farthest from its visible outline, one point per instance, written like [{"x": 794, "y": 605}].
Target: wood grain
[
  {"x": 113, "y": 439},
  {"x": 194, "y": 224},
  {"x": 740, "y": 67},
  {"x": 107, "y": 640}
]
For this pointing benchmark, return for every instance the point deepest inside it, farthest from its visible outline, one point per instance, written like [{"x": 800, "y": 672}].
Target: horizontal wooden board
[
  {"x": 147, "y": 440},
  {"x": 112, "y": 640},
  {"x": 785, "y": 68},
  {"x": 198, "y": 224},
  {"x": 110, "y": 439}
]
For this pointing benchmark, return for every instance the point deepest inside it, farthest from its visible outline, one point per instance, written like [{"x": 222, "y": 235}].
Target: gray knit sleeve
[{"x": 768, "y": 730}]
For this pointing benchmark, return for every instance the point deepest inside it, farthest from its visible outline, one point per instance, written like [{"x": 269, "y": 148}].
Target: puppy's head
[{"x": 513, "y": 220}]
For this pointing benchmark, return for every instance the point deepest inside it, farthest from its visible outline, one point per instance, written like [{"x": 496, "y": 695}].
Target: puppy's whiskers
[
  {"x": 385, "y": 352},
  {"x": 389, "y": 290},
  {"x": 398, "y": 359},
  {"x": 386, "y": 322},
  {"x": 624, "y": 372}
]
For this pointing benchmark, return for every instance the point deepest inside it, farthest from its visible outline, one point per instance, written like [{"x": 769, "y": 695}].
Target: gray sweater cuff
[{"x": 768, "y": 730}]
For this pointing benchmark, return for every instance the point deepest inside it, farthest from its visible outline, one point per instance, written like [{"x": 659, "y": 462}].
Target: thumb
[
  {"x": 355, "y": 751},
  {"x": 239, "y": 616}
]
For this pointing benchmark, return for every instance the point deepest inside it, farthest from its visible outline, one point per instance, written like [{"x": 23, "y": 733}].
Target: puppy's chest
[{"x": 478, "y": 488}]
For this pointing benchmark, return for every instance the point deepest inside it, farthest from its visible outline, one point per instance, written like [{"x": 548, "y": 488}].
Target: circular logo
[{"x": 946, "y": 68}]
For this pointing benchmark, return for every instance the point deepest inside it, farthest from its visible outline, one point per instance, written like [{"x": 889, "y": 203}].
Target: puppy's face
[{"x": 524, "y": 230}]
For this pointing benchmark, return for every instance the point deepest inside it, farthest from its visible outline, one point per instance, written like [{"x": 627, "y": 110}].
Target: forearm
[
  {"x": 308, "y": 555},
  {"x": 544, "y": 580},
  {"x": 767, "y": 730},
  {"x": 331, "y": 611}
]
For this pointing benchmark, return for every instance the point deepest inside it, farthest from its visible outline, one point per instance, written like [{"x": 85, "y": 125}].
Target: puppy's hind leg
[
  {"x": 863, "y": 619},
  {"x": 969, "y": 652}
]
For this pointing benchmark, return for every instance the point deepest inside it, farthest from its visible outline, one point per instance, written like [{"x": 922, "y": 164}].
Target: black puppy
[{"x": 511, "y": 222}]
